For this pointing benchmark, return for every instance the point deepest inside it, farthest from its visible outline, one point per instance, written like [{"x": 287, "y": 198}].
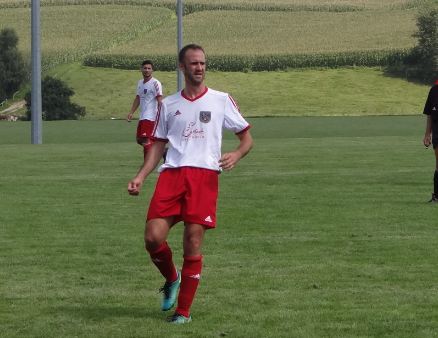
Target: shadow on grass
[
  {"x": 410, "y": 73},
  {"x": 103, "y": 312}
]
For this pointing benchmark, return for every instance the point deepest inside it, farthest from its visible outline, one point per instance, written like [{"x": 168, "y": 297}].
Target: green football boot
[{"x": 170, "y": 293}]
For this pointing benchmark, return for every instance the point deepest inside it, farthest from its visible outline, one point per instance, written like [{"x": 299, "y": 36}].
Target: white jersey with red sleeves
[
  {"x": 193, "y": 128},
  {"x": 148, "y": 92}
]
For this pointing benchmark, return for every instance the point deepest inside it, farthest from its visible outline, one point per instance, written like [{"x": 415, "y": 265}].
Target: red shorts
[
  {"x": 187, "y": 193},
  {"x": 145, "y": 129}
]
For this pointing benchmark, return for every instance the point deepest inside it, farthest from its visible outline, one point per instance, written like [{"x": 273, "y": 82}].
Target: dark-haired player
[{"x": 149, "y": 97}]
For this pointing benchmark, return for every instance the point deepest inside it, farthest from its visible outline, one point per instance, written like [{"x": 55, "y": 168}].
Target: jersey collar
[{"x": 195, "y": 98}]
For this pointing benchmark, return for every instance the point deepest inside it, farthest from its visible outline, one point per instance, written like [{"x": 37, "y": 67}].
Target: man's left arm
[
  {"x": 159, "y": 99},
  {"x": 229, "y": 160}
]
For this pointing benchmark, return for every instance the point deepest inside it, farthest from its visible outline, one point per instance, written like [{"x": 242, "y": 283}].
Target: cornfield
[
  {"x": 239, "y": 63},
  {"x": 261, "y": 33},
  {"x": 69, "y": 33},
  {"x": 257, "y": 5}
]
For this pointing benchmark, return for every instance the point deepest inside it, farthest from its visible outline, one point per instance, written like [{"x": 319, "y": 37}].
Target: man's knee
[
  {"x": 193, "y": 241},
  {"x": 153, "y": 240},
  {"x": 193, "y": 238},
  {"x": 156, "y": 233},
  {"x": 151, "y": 244}
]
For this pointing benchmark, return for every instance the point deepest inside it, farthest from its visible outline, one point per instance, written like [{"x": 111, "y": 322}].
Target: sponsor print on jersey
[
  {"x": 177, "y": 113},
  {"x": 192, "y": 132},
  {"x": 205, "y": 116},
  {"x": 145, "y": 91}
]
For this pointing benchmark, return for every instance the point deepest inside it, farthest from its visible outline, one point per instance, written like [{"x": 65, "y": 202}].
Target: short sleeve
[
  {"x": 428, "y": 106},
  {"x": 160, "y": 128},
  {"x": 158, "y": 89},
  {"x": 233, "y": 120},
  {"x": 139, "y": 88}
]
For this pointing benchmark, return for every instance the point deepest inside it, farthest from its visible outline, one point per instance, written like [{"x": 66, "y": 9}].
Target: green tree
[
  {"x": 426, "y": 51},
  {"x": 56, "y": 104},
  {"x": 12, "y": 67}
]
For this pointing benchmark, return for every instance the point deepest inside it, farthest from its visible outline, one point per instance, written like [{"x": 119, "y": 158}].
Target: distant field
[
  {"x": 68, "y": 32},
  {"x": 71, "y": 31},
  {"x": 109, "y": 92},
  {"x": 255, "y": 33}
]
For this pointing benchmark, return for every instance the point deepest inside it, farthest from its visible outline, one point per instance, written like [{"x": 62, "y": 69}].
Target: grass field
[
  {"x": 357, "y": 91},
  {"x": 323, "y": 232}
]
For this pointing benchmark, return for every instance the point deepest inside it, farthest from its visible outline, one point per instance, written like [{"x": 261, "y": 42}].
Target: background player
[
  {"x": 431, "y": 134},
  {"x": 191, "y": 121},
  {"x": 149, "y": 97}
]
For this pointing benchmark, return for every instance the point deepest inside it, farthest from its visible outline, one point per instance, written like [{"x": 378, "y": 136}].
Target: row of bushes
[{"x": 239, "y": 63}]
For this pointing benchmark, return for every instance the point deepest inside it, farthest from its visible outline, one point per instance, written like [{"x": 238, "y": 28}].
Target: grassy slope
[
  {"x": 323, "y": 232},
  {"x": 109, "y": 93}
]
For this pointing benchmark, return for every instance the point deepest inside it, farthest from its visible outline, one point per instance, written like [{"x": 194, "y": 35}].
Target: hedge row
[{"x": 239, "y": 63}]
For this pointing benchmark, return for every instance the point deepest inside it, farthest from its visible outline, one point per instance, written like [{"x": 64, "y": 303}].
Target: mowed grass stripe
[
  {"x": 120, "y": 131},
  {"x": 317, "y": 237},
  {"x": 259, "y": 33}
]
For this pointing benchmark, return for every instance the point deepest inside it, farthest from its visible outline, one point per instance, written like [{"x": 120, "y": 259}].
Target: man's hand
[
  {"x": 427, "y": 140},
  {"x": 129, "y": 117},
  {"x": 134, "y": 186},
  {"x": 229, "y": 160}
]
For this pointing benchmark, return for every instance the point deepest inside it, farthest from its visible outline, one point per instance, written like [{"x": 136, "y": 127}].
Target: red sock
[
  {"x": 162, "y": 258},
  {"x": 190, "y": 276}
]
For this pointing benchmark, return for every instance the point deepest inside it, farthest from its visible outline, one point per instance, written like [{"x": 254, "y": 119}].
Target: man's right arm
[
  {"x": 134, "y": 107},
  {"x": 427, "y": 140},
  {"x": 151, "y": 161}
]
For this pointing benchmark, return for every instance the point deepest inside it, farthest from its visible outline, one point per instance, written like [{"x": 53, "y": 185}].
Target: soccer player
[
  {"x": 431, "y": 134},
  {"x": 191, "y": 122},
  {"x": 149, "y": 97}
]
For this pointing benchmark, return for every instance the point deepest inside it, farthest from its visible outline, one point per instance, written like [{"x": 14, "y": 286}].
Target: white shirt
[
  {"x": 193, "y": 128},
  {"x": 148, "y": 93}
]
